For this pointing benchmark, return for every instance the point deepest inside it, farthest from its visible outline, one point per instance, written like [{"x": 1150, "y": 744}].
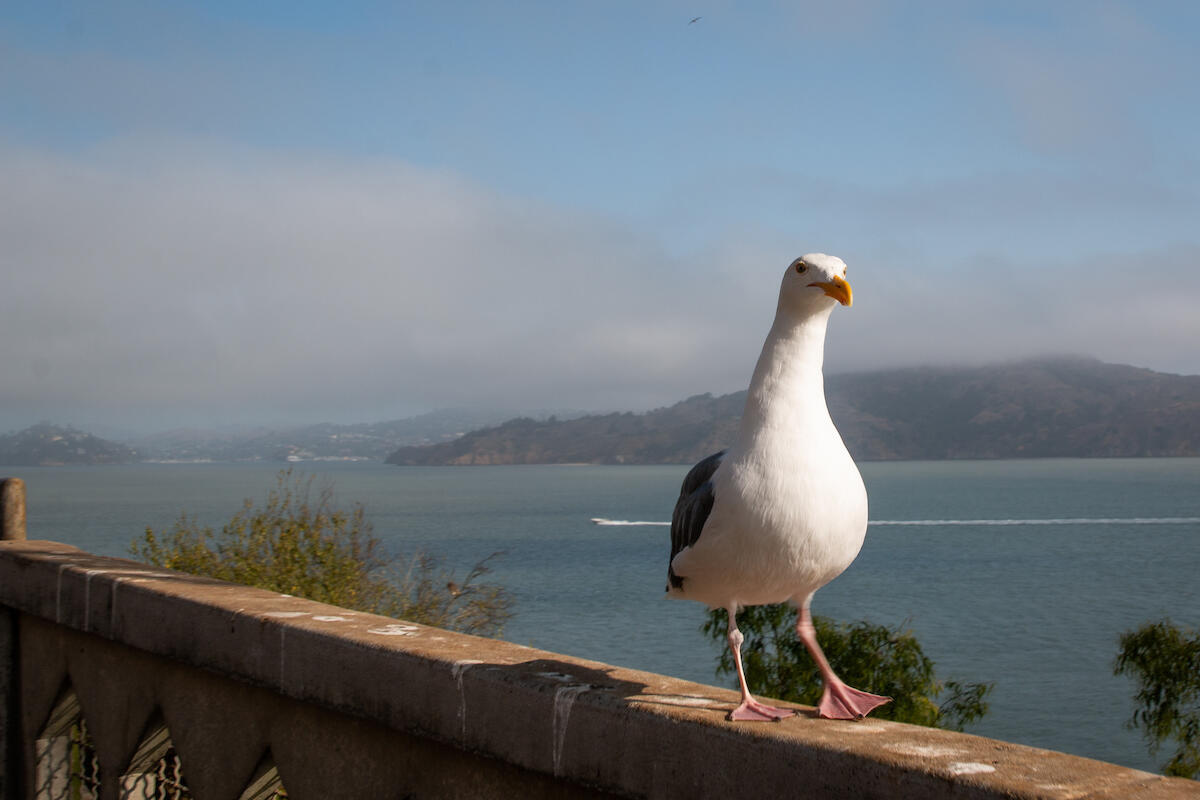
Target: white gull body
[{"x": 784, "y": 510}]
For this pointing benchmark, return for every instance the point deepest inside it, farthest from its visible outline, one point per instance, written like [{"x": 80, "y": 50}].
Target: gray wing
[{"x": 692, "y": 510}]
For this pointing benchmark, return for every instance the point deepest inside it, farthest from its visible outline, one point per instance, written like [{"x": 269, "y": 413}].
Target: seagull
[
  {"x": 694, "y": 20},
  {"x": 783, "y": 511}
]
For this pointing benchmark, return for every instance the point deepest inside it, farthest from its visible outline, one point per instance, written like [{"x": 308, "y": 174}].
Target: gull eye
[{"x": 801, "y": 267}]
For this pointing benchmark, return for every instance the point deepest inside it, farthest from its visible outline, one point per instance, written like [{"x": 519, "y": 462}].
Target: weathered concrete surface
[
  {"x": 223, "y": 728},
  {"x": 318, "y": 685}
]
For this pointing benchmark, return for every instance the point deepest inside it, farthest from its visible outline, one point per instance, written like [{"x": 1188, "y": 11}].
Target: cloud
[
  {"x": 1134, "y": 307},
  {"x": 157, "y": 285},
  {"x": 944, "y": 222},
  {"x": 292, "y": 287}
]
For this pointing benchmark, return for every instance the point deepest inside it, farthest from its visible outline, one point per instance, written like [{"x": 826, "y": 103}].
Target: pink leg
[
  {"x": 750, "y": 710},
  {"x": 838, "y": 701}
]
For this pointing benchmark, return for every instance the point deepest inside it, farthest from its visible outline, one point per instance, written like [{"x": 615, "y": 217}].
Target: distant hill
[
  {"x": 662, "y": 436},
  {"x": 326, "y": 441},
  {"x": 46, "y": 445},
  {"x": 1071, "y": 407}
]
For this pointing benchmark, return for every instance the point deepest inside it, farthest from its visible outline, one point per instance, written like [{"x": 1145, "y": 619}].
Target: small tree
[
  {"x": 875, "y": 658},
  {"x": 1165, "y": 661},
  {"x": 304, "y": 545}
]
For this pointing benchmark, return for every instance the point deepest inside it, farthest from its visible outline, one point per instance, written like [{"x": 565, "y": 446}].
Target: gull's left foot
[{"x": 840, "y": 701}]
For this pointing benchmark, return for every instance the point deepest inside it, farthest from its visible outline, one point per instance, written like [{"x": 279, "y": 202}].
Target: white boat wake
[{"x": 964, "y": 522}]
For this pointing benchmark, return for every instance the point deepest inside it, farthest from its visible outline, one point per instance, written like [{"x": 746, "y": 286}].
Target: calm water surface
[{"x": 996, "y": 587}]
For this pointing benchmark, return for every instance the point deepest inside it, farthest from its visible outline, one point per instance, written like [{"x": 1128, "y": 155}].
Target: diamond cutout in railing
[
  {"x": 155, "y": 771},
  {"x": 266, "y": 783},
  {"x": 66, "y": 766}
]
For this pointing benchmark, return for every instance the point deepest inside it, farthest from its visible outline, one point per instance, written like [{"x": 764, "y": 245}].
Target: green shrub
[
  {"x": 1165, "y": 661},
  {"x": 870, "y": 657},
  {"x": 302, "y": 544}
]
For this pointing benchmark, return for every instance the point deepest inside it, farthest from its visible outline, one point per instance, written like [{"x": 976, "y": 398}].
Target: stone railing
[{"x": 122, "y": 680}]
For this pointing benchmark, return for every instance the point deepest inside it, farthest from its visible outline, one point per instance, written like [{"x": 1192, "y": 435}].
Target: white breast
[{"x": 786, "y": 520}]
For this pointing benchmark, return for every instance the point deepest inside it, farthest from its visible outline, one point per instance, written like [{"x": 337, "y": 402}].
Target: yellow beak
[{"x": 838, "y": 289}]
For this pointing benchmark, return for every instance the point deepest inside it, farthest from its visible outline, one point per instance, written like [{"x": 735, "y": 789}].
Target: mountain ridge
[
  {"x": 47, "y": 445},
  {"x": 1057, "y": 406}
]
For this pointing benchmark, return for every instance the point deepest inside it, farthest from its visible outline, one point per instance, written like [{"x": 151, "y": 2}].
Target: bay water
[{"x": 1021, "y": 573}]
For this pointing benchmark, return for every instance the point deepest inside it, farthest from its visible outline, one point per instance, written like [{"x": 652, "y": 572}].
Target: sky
[{"x": 219, "y": 214}]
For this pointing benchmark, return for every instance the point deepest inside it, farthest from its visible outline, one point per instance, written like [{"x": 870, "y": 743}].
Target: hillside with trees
[
  {"x": 46, "y": 445},
  {"x": 1065, "y": 407}
]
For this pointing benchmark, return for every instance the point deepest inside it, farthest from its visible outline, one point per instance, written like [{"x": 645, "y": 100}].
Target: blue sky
[{"x": 291, "y": 212}]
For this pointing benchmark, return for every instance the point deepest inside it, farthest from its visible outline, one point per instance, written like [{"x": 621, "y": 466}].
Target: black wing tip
[{"x": 692, "y": 509}]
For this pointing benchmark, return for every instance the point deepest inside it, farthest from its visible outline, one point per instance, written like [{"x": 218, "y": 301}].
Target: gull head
[{"x": 815, "y": 282}]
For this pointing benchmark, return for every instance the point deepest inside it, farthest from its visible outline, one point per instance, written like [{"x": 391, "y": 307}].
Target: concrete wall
[{"x": 336, "y": 703}]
